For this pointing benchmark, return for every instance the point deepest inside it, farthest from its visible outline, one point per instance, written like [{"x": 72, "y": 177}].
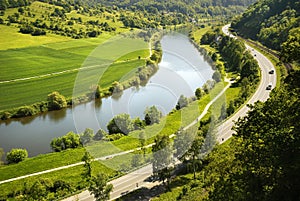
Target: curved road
[{"x": 261, "y": 94}]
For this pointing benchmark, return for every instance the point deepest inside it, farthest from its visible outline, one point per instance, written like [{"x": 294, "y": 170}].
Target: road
[{"x": 261, "y": 94}]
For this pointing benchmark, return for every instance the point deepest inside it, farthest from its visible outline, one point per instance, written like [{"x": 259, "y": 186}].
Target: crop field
[{"x": 54, "y": 67}]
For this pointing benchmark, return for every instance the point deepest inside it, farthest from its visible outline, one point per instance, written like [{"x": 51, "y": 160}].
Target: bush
[
  {"x": 70, "y": 140},
  {"x": 120, "y": 124},
  {"x": 56, "y": 101},
  {"x": 25, "y": 111},
  {"x": 114, "y": 137},
  {"x": 16, "y": 155}
]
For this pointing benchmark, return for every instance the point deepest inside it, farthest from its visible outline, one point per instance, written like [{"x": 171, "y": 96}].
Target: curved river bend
[{"x": 181, "y": 71}]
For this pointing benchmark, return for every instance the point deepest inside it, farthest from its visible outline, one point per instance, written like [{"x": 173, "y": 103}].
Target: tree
[
  {"x": 142, "y": 138},
  {"x": 56, "y": 101},
  {"x": 199, "y": 93},
  {"x": 99, "y": 187},
  {"x": 217, "y": 76},
  {"x": 138, "y": 124},
  {"x": 223, "y": 114},
  {"x": 188, "y": 147},
  {"x": 87, "y": 159},
  {"x": 231, "y": 108},
  {"x": 120, "y": 124},
  {"x": 70, "y": 140},
  {"x": 100, "y": 134},
  {"x": 87, "y": 136},
  {"x": 16, "y": 155},
  {"x": 182, "y": 102},
  {"x": 152, "y": 115},
  {"x": 266, "y": 149},
  {"x": 162, "y": 157}
]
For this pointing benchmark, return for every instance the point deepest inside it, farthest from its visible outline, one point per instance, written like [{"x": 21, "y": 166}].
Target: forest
[{"x": 276, "y": 24}]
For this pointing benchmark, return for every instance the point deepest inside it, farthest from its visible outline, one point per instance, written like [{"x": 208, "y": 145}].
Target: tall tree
[
  {"x": 99, "y": 187},
  {"x": 152, "y": 115},
  {"x": 162, "y": 158},
  {"x": 87, "y": 159}
]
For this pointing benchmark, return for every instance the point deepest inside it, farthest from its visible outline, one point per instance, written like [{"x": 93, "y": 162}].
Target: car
[
  {"x": 271, "y": 71},
  {"x": 269, "y": 87}
]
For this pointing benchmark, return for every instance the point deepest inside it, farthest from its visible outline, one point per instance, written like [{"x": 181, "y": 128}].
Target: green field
[{"x": 67, "y": 57}]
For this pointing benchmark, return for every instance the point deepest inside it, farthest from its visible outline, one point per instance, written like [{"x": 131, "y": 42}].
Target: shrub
[
  {"x": 25, "y": 111},
  {"x": 16, "y": 155},
  {"x": 56, "y": 101}
]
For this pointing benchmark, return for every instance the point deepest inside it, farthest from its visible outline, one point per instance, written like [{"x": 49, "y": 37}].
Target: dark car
[
  {"x": 271, "y": 72},
  {"x": 269, "y": 87}
]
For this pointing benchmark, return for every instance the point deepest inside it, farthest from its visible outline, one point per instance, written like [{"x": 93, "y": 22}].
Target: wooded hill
[
  {"x": 186, "y": 7},
  {"x": 275, "y": 23}
]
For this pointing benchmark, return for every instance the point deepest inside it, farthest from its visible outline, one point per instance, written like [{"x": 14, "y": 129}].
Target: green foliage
[
  {"x": 56, "y": 101},
  {"x": 138, "y": 124},
  {"x": 188, "y": 8},
  {"x": 100, "y": 135},
  {"x": 208, "y": 38},
  {"x": 291, "y": 48},
  {"x": 182, "y": 102},
  {"x": 272, "y": 23},
  {"x": 199, "y": 93},
  {"x": 25, "y": 111},
  {"x": 86, "y": 136},
  {"x": 99, "y": 187},
  {"x": 152, "y": 115},
  {"x": 68, "y": 141},
  {"x": 269, "y": 132},
  {"x": 162, "y": 157},
  {"x": 217, "y": 76},
  {"x": 120, "y": 124},
  {"x": 16, "y": 155},
  {"x": 87, "y": 159}
]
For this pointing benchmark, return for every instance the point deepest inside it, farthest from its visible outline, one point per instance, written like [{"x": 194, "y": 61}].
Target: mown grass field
[{"x": 66, "y": 57}]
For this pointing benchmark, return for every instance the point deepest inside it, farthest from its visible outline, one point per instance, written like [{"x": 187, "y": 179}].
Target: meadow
[{"x": 54, "y": 67}]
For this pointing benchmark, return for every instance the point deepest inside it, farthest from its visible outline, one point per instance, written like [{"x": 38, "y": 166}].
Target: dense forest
[
  {"x": 186, "y": 7},
  {"x": 261, "y": 162},
  {"x": 275, "y": 24}
]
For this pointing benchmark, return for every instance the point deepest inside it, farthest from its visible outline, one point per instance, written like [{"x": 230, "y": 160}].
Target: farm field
[{"x": 54, "y": 67}]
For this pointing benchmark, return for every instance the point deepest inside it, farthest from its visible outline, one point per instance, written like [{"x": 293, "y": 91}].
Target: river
[{"x": 181, "y": 71}]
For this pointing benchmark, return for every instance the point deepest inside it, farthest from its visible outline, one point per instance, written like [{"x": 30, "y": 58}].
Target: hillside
[
  {"x": 276, "y": 24},
  {"x": 207, "y": 8}
]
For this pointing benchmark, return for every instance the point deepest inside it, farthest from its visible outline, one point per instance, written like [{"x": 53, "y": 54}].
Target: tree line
[
  {"x": 261, "y": 161},
  {"x": 275, "y": 24}
]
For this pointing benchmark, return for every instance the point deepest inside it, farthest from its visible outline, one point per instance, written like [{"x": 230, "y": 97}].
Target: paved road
[{"x": 261, "y": 94}]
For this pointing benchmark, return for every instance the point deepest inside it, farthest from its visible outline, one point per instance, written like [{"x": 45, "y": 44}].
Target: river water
[{"x": 181, "y": 71}]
